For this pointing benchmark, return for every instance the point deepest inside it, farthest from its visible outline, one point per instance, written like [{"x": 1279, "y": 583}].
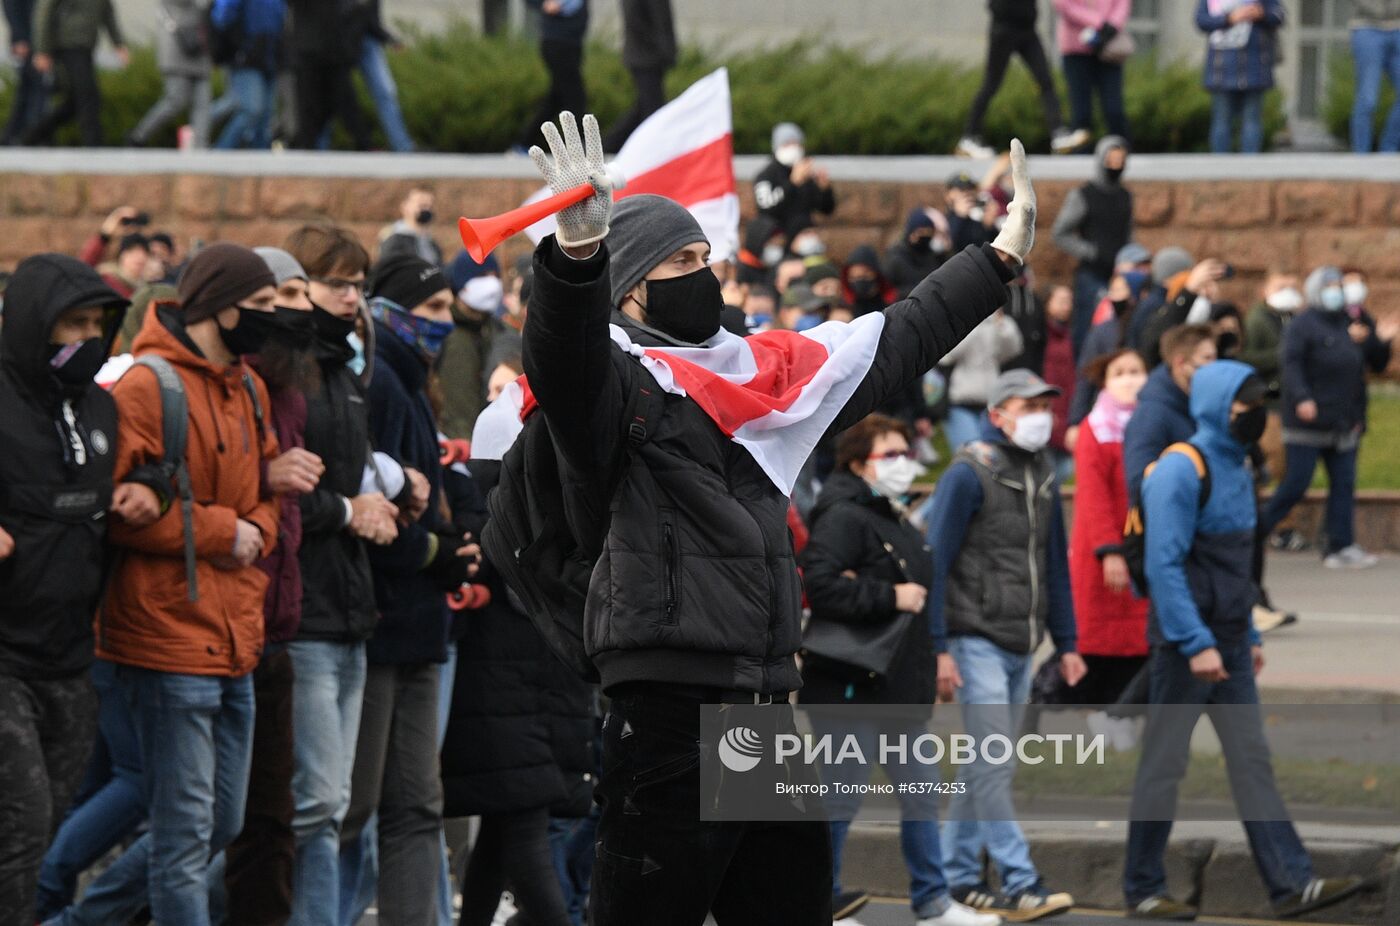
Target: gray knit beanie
[
  {"x": 787, "y": 133},
  {"x": 284, "y": 266},
  {"x": 1317, "y": 281},
  {"x": 1168, "y": 263},
  {"x": 645, "y": 230}
]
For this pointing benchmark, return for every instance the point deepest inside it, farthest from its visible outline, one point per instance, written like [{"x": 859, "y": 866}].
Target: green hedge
[
  {"x": 1341, "y": 90},
  {"x": 462, "y": 91}
]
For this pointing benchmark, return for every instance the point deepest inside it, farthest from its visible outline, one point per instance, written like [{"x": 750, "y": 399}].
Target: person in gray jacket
[
  {"x": 972, "y": 368},
  {"x": 182, "y": 54}
]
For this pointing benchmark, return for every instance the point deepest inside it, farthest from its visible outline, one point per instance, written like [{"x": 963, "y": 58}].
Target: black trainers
[
  {"x": 977, "y": 896},
  {"x": 1034, "y": 903},
  {"x": 1162, "y": 907},
  {"x": 1319, "y": 892},
  {"x": 848, "y": 903}
]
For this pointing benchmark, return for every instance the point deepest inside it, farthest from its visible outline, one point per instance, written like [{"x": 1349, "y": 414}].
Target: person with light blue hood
[{"x": 1199, "y": 520}]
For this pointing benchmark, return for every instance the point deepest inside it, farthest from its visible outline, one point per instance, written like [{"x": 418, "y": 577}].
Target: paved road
[{"x": 1348, "y": 635}]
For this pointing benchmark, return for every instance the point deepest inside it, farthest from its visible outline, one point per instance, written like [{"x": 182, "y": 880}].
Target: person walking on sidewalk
[
  {"x": 563, "y": 24},
  {"x": 1326, "y": 354},
  {"x": 1013, "y": 32},
  {"x": 648, "y": 52},
  {"x": 996, "y": 520},
  {"x": 865, "y": 564},
  {"x": 182, "y": 54},
  {"x": 1206, "y": 653},
  {"x": 65, "y": 37}
]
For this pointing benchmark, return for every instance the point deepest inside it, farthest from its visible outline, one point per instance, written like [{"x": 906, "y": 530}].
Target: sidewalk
[{"x": 1344, "y": 649}]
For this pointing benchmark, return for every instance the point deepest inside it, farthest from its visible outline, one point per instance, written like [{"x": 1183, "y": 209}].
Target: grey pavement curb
[{"x": 1219, "y": 874}]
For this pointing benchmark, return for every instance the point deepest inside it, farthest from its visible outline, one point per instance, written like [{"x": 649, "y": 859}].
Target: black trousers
[
  {"x": 259, "y": 863},
  {"x": 564, "y": 61},
  {"x": 651, "y": 96},
  {"x": 323, "y": 92},
  {"x": 513, "y": 850},
  {"x": 47, "y": 728},
  {"x": 79, "y": 97},
  {"x": 27, "y": 108},
  {"x": 1002, "y": 43},
  {"x": 659, "y": 864}
]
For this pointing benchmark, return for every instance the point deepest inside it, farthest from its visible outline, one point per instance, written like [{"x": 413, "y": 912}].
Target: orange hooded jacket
[{"x": 147, "y": 619}]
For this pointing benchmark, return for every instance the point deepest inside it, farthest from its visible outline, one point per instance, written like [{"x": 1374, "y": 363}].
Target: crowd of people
[{"x": 261, "y": 632}]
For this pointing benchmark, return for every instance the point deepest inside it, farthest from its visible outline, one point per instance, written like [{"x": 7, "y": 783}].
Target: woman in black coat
[
  {"x": 520, "y": 740},
  {"x": 866, "y": 564}
]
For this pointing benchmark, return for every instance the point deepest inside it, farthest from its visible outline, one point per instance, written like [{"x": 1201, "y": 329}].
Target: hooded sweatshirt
[
  {"x": 1097, "y": 218},
  {"x": 147, "y": 619},
  {"x": 1199, "y": 561},
  {"x": 53, "y": 497},
  {"x": 884, "y": 292}
]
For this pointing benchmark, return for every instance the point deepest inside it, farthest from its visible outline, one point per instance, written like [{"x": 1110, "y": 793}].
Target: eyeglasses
[
  {"x": 339, "y": 286},
  {"x": 892, "y": 455}
]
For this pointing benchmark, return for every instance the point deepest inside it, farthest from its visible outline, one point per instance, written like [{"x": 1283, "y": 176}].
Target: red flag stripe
[{"x": 694, "y": 177}]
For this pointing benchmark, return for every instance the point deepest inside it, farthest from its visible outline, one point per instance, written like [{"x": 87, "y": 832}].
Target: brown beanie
[{"x": 218, "y": 277}]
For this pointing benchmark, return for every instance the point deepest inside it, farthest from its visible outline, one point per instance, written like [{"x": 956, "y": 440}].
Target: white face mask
[
  {"x": 1356, "y": 293},
  {"x": 789, "y": 155},
  {"x": 1285, "y": 300},
  {"x": 1333, "y": 299},
  {"x": 894, "y": 477},
  {"x": 808, "y": 246},
  {"x": 773, "y": 254},
  {"x": 1033, "y": 430}
]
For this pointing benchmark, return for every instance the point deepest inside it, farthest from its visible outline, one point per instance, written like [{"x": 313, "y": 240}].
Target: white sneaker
[
  {"x": 1066, "y": 141},
  {"x": 1120, "y": 732},
  {"x": 970, "y": 147},
  {"x": 1266, "y": 619},
  {"x": 959, "y": 915},
  {"x": 1352, "y": 557}
]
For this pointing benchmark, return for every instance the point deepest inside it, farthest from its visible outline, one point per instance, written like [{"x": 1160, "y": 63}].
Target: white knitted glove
[
  {"x": 1018, "y": 234},
  {"x": 573, "y": 161}
]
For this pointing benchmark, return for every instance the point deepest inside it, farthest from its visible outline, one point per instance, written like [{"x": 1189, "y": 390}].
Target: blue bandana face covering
[{"x": 423, "y": 335}]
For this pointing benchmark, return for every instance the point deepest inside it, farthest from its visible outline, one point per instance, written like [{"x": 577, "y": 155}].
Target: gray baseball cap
[{"x": 1019, "y": 384}]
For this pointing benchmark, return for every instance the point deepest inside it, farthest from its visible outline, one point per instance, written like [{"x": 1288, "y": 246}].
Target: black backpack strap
[
  {"x": 175, "y": 430},
  {"x": 251, "y": 388}
]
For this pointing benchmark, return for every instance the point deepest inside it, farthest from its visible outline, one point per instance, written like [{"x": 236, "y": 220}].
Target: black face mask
[
  {"x": 1121, "y": 307},
  {"x": 921, "y": 245},
  {"x": 331, "y": 329},
  {"x": 865, "y": 289},
  {"x": 251, "y": 332},
  {"x": 424, "y": 216},
  {"x": 79, "y": 365},
  {"x": 686, "y": 307},
  {"x": 1247, "y": 427},
  {"x": 1227, "y": 344},
  {"x": 1113, "y": 174},
  {"x": 296, "y": 328}
]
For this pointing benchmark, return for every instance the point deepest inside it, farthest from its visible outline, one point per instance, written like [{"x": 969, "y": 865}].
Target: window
[
  {"x": 1322, "y": 41},
  {"x": 1145, "y": 25}
]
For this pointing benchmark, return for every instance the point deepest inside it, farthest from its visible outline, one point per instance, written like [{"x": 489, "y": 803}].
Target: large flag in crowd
[{"x": 685, "y": 151}]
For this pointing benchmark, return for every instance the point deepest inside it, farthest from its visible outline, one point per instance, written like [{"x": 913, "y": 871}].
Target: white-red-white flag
[{"x": 684, "y": 151}]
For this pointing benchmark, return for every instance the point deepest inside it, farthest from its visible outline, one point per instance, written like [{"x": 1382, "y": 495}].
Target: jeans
[
  {"x": 962, "y": 426},
  {"x": 1227, "y": 106},
  {"x": 46, "y": 731},
  {"x": 179, "y": 94},
  {"x": 374, "y": 66},
  {"x": 447, "y": 678},
  {"x": 116, "y": 797},
  {"x": 259, "y": 864},
  {"x": 1376, "y": 52},
  {"x": 571, "y": 839},
  {"x": 250, "y": 126},
  {"x": 1089, "y": 288},
  {"x": 1278, "y": 853},
  {"x": 328, "y": 689},
  {"x": 1002, "y": 43},
  {"x": 196, "y": 734},
  {"x": 657, "y": 862},
  {"x": 1085, "y": 75},
  {"x": 982, "y": 817},
  {"x": 1341, "y": 492},
  {"x": 396, "y": 773},
  {"x": 918, "y": 826}
]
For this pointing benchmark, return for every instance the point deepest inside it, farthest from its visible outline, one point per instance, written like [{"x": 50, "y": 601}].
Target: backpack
[
  {"x": 544, "y": 538},
  {"x": 175, "y": 431},
  {"x": 1134, "y": 546}
]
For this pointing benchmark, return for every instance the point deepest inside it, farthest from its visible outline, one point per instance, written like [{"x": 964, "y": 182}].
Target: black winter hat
[{"x": 406, "y": 280}]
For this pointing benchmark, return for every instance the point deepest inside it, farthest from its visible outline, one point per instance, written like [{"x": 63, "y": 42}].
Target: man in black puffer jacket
[
  {"x": 59, "y": 431},
  {"x": 695, "y": 596}
]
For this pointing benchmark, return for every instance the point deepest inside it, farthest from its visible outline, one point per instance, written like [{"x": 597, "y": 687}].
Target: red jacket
[
  {"x": 1110, "y": 623},
  {"x": 282, "y": 604},
  {"x": 1058, "y": 370}
]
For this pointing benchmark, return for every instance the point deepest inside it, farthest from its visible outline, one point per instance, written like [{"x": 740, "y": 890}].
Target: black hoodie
[{"x": 55, "y": 475}]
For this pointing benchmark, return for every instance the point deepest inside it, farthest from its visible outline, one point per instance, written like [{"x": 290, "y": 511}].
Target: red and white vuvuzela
[{"x": 684, "y": 151}]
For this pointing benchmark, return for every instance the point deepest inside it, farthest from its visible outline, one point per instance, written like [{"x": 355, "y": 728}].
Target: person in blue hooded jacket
[{"x": 1206, "y": 652}]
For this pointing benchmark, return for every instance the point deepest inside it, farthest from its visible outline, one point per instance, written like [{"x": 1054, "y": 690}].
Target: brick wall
[{"x": 1254, "y": 224}]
